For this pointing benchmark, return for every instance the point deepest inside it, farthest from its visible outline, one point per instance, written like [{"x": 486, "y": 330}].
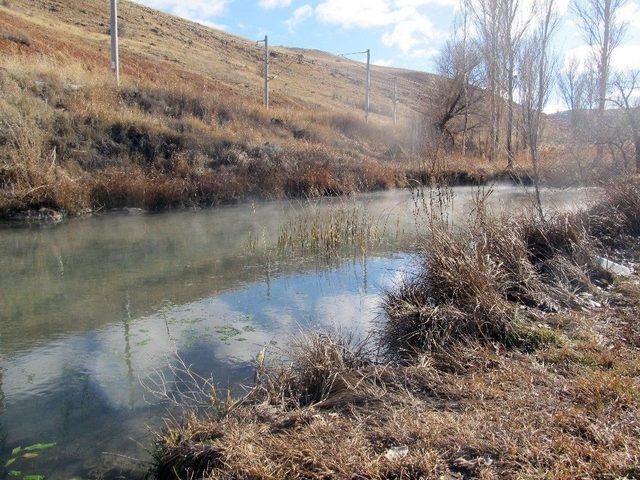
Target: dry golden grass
[
  {"x": 568, "y": 411},
  {"x": 72, "y": 141},
  {"x": 465, "y": 402}
]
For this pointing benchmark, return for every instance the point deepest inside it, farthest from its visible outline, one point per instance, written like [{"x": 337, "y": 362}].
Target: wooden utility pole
[
  {"x": 395, "y": 101},
  {"x": 367, "y": 102},
  {"x": 115, "y": 54},
  {"x": 266, "y": 72}
]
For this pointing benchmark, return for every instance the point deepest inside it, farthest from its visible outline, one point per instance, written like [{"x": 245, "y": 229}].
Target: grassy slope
[
  {"x": 186, "y": 126},
  {"x": 320, "y": 80}
]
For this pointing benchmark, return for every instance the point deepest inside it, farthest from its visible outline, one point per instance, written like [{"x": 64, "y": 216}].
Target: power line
[
  {"x": 351, "y": 54},
  {"x": 282, "y": 69},
  {"x": 115, "y": 67}
]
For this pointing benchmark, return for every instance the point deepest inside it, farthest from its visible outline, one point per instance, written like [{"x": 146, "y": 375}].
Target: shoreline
[{"x": 453, "y": 178}]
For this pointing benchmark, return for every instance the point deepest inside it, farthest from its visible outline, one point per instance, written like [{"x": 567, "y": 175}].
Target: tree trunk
[
  {"x": 510, "y": 153},
  {"x": 535, "y": 160},
  {"x": 603, "y": 81}
]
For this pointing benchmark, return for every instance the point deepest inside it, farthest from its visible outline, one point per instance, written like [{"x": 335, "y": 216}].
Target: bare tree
[
  {"x": 603, "y": 31},
  {"x": 459, "y": 93},
  {"x": 574, "y": 89},
  {"x": 514, "y": 21},
  {"x": 485, "y": 16},
  {"x": 537, "y": 67},
  {"x": 501, "y": 27},
  {"x": 627, "y": 99},
  {"x": 465, "y": 46}
]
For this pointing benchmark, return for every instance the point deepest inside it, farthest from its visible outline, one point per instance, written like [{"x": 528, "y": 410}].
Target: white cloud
[
  {"x": 200, "y": 11},
  {"x": 407, "y": 26},
  {"x": 274, "y": 3},
  {"x": 299, "y": 15},
  {"x": 383, "y": 62},
  {"x": 217, "y": 26},
  {"x": 424, "y": 52},
  {"x": 408, "y": 34},
  {"x": 357, "y": 13},
  {"x": 630, "y": 13},
  {"x": 625, "y": 57},
  {"x": 580, "y": 54}
]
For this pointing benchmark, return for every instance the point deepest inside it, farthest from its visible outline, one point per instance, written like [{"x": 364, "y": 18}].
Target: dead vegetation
[
  {"x": 73, "y": 142},
  {"x": 178, "y": 132},
  {"x": 479, "y": 285},
  {"x": 18, "y": 37},
  {"x": 510, "y": 355}
]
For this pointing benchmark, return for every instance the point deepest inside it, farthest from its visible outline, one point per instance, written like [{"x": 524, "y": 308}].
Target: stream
[{"x": 92, "y": 308}]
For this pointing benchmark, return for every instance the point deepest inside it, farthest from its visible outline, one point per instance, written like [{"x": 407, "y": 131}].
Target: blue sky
[{"x": 400, "y": 33}]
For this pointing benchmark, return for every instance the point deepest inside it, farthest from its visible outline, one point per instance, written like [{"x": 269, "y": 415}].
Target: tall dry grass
[
  {"x": 508, "y": 369},
  {"x": 73, "y": 141},
  {"x": 482, "y": 283}
]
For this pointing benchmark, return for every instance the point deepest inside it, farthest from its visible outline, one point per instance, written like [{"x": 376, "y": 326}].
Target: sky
[{"x": 400, "y": 33}]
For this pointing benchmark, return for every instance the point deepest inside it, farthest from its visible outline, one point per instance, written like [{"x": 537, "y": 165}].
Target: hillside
[
  {"x": 186, "y": 126},
  {"x": 306, "y": 78}
]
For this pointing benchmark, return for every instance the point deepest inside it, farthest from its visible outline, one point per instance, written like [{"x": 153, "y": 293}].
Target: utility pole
[
  {"x": 115, "y": 55},
  {"x": 266, "y": 72},
  {"x": 395, "y": 101},
  {"x": 367, "y": 102}
]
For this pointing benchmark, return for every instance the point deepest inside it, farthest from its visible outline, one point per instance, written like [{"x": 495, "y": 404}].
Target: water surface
[{"x": 90, "y": 307}]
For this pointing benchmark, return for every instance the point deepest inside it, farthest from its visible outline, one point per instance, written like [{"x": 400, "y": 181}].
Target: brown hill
[{"x": 186, "y": 125}]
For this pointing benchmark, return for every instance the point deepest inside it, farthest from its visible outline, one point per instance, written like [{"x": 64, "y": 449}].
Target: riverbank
[
  {"x": 40, "y": 212},
  {"x": 515, "y": 354}
]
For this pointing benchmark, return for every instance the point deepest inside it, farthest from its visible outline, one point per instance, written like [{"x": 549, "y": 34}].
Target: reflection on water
[
  {"x": 89, "y": 307},
  {"x": 72, "y": 387}
]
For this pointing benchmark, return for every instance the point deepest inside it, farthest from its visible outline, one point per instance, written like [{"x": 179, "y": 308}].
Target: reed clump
[
  {"x": 346, "y": 226},
  {"x": 483, "y": 284},
  {"x": 614, "y": 221}
]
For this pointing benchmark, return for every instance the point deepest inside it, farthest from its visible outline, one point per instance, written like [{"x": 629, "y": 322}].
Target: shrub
[
  {"x": 20, "y": 38},
  {"x": 616, "y": 215},
  {"x": 472, "y": 285}
]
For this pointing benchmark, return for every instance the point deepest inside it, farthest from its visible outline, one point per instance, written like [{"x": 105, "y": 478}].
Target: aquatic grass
[
  {"x": 330, "y": 231},
  {"x": 21, "y": 454}
]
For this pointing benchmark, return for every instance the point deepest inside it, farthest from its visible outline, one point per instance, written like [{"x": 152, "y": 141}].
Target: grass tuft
[{"x": 20, "y": 38}]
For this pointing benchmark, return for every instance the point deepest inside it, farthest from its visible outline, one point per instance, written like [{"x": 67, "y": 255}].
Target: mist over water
[{"x": 90, "y": 307}]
